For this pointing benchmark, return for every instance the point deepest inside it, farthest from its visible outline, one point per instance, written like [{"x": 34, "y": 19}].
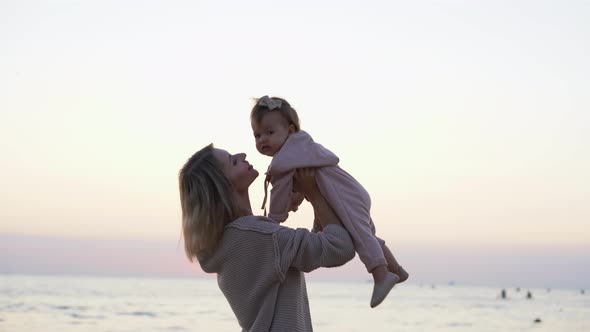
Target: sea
[{"x": 122, "y": 304}]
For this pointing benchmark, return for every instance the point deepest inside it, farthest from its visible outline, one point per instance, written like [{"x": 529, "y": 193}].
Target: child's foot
[
  {"x": 381, "y": 289},
  {"x": 401, "y": 273}
]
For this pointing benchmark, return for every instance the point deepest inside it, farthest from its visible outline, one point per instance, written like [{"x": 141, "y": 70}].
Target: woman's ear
[{"x": 291, "y": 129}]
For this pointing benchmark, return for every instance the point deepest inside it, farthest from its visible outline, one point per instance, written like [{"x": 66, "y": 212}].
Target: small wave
[
  {"x": 85, "y": 323},
  {"x": 175, "y": 328},
  {"x": 205, "y": 312},
  {"x": 13, "y": 306},
  {"x": 70, "y": 307},
  {"x": 455, "y": 324},
  {"x": 137, "y": 313},
  {"x": 18, "y": 307},
  {"x": 79, "y": 316}
]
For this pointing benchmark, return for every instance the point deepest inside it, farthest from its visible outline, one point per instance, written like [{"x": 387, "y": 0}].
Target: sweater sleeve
[
  {"x": 280, "y": 196},
  {"x": 307, "y": 251}
]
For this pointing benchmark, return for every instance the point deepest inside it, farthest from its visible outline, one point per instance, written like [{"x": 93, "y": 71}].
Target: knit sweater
[{"x": 260, "y": 265}]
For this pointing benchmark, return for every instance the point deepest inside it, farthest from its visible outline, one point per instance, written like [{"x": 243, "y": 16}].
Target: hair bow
[{"x": 269, "y": 103}]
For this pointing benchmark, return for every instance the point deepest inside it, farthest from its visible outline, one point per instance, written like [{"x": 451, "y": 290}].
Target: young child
[{"x": 277, "y": 133}]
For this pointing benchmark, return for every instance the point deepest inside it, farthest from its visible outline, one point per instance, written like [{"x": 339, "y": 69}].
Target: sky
[{"x": 467, "y": 122}]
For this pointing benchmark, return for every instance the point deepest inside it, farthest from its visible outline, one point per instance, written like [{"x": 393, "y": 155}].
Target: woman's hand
[
  {"x": 304, "y": 181},
  {"x": 296, "y": 200}
]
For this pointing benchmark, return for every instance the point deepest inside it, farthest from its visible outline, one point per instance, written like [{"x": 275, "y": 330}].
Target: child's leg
[
  {"x": 379, "y": 273},
  {"x": 355, "y": 205},
  {"x": 393, "y": 266},
  {"x": 371, "y": 254},
  {"x": 383, "y": 283}
]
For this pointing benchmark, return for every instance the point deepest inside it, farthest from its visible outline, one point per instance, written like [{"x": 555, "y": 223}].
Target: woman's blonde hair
[{"x": 207, "y": 202}]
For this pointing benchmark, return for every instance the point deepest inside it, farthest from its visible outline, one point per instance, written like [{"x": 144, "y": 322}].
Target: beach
[{"x": 57, "y": 303}]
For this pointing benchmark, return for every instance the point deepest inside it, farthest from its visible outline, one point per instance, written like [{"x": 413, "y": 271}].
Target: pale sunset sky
[{"x": 467, "y": 121}]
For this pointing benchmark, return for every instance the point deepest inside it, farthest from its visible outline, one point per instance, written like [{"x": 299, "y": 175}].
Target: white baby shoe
[{"x": 380, "y": 290}]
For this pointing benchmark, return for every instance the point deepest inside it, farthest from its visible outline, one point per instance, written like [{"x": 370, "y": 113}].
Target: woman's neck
[{"x": 243, "y": 199}]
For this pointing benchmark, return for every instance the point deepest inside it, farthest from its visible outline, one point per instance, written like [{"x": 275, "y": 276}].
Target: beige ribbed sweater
[{"x": 260, "y": 265}]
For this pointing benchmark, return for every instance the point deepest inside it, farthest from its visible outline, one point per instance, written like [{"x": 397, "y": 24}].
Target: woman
[{"x": 259, "y": 264}]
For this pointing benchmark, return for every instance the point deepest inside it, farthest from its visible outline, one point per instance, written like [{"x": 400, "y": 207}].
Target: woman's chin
[{"x": 254, "y": 174}]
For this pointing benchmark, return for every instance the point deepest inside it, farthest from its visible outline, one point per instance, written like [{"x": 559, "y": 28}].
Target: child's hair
[{"x": 268, "y": 104}]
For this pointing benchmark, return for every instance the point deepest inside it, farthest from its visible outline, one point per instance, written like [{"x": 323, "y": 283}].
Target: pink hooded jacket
[{"x": 347, "y": 197}]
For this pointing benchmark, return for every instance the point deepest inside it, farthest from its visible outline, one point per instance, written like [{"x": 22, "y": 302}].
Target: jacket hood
[
  {"x": 299, "y": 151},
  {"x": 211, "y": 263}
]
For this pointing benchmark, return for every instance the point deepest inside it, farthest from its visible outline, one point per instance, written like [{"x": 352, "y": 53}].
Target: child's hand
[
  {"x": 304, "y": 181},
  {"x": 296, "y": 200}
]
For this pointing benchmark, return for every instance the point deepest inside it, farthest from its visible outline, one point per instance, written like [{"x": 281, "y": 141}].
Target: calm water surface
[{"x": 42, "y": 303}]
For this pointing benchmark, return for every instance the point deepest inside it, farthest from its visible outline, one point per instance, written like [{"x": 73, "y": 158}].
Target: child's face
[{"x": 271, "y": 133}]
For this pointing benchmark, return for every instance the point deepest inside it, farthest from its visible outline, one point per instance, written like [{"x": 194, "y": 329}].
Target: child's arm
[{"x": 280, "y": 196}]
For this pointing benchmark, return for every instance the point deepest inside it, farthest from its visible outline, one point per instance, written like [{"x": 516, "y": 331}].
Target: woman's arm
[
  {"x": 307, "y": 251},
  {"x": 316, "y": 223}
]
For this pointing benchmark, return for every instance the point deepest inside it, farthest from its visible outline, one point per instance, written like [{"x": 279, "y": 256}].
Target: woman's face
[{"x": 237, "y": 169}]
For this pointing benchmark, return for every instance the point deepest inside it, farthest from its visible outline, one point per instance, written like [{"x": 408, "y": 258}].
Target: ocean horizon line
[{"x": 309, "y": 278}]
